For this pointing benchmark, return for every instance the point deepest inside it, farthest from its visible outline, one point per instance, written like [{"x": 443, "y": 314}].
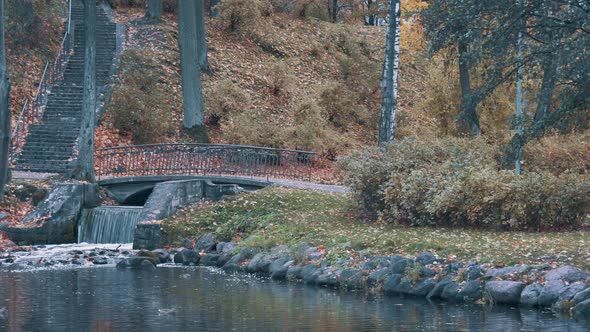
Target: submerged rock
[{"x": 137, "y": 262}]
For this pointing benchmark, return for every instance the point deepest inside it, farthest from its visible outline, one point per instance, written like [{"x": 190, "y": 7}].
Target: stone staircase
[{"x": 50, "y": 145}]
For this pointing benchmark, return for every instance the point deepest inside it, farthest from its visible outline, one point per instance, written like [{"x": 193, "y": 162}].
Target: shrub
[
  {"x": 312, "y": 132},
  {"x": 558, "y": 154},
  {"x": 279, "y": 79},
  {"x": 312, "y": 8},
  {"x": 341, "y": 107},
  {"x": 456, "y": 183},
  {"x": 138, "y": 104},
  {"x": 252, "y": 128},
  {"x": 238, "y": 14},
  {"x": 223, "y": 100}
]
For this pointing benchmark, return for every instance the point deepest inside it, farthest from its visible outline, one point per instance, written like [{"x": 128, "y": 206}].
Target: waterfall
[{"x": 108, "y": 224}]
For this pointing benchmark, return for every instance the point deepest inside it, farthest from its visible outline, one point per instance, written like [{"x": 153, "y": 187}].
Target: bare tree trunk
[
  {"x": 547, "y": 87},
  {"x": 334, "y": 11},
  {"x": 194, "y": 117},
  {"x": 85, "y": 168},
  {"x": 154, "y": 10},
  {"x": 202, "y": 36},
  {"x": 4, "y": 109},
  {"x": 468, "y": 121},
  {"x": 389, "y": 80}
]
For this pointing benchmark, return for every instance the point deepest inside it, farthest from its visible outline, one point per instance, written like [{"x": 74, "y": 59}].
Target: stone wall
[{"x": 54, "y": 220}]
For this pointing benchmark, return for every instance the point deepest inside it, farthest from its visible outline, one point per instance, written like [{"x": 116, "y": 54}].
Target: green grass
[{"x": 276, "y": 216}]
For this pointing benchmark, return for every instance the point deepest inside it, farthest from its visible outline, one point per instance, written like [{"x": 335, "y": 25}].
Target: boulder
[
  {"x": 347, "y": 273},
  {"x": 225, "y": 247},
  {"x": 506, "y": 271},
  {"x": 422, "y": 287},
  {"x": 278, "y": 269},
  {"x": 439, "y": 287},
  {"x": 260, "y": 263},
  {"x": 308, "y": 273},
  {"x": 470, "y": 292},
  {"x": 163, "y": 255},
  {"x": 100, "y": 260},
  {"x": 452, "y": 268},
  {"x": 328, "y": 279},
  {"x": 356, "y": 281},
  {"x": 550, "y": 293},
  {"x": 209, "y": 259},
  {"x": 295, "y": 272},
  {"x": 567, "y": 273},
  {"x": 223, "y": 259},
  {"x": 399, "y": 267},
  {"x": 391, "y": 283},
  {"x": 137, "y": 262},
  {"x": 425, "y": 258},
  {"x": 474, "y": 272},
  {"x": 530, "y": 295},
  {"x": 187, "y": 257},
  {"x": 450, "y": 292},
  {"x": 582, "y": 296},
  {"x": 205, "y": 243},
  {"x": 505, "y": 292},
  {"x": 568, "y": 293},
  {"x": 377, "y": 277},
  {"x": 582, "y": 310}
]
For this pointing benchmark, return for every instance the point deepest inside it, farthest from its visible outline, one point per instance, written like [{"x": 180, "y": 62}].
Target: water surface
[{"x": 200, "y": 299}]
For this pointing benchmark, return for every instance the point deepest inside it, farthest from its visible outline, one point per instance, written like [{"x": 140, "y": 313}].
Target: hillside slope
[{"x": 283, "y": 82}]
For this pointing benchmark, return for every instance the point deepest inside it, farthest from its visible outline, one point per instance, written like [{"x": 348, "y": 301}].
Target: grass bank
[{"x": 275, "y": 216}]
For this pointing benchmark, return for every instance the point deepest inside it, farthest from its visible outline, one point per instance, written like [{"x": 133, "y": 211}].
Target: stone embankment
[{"x": 563, "y": 289}]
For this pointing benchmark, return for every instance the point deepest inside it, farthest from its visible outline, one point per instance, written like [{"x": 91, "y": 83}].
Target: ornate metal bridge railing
[{"x": 203, "y": 159}]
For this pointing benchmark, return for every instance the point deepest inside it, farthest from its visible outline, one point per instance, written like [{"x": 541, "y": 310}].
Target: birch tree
[
  {"x": 85, "y": 169},
  {"x": 154, "y": 10},
  {"x": 202, "y": 36},
  {"x": 519, "y": 73},
  {"x": 4, "y": 109},
  {"x": 389, "y": 79},
  {"x": 192, "y": 99}
]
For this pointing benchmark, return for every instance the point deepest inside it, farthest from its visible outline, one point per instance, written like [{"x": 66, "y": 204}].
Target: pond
[{"x": 201, "y": 299}]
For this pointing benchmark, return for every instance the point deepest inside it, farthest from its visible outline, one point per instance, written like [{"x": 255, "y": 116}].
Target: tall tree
[
  {"x": 4, "y": 109},
  {"x": 194, "y": 116},
  {"x": 202, "y": 36},
  {"x": 519, "y": 74},
  {"x": 389, "y": 79},
  {"x": 154, "y": 10},
  {"x": 85, "y": 169}
]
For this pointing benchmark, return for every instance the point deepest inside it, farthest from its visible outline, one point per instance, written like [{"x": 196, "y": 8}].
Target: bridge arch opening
[{"x": 139, "y": 198}]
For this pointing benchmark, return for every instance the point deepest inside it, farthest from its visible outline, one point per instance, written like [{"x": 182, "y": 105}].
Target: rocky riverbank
[{"x": 562, "y": 289}]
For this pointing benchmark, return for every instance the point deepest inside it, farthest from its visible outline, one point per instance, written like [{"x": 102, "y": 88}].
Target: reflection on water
[{"x": 196, "y": 299}]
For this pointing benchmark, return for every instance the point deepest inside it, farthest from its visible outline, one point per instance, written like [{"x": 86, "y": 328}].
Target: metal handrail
[
  {"x": 203, "y": 159},
  {"x": 31, "y": 111}
]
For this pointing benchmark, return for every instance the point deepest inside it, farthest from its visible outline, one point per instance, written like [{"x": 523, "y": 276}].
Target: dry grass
[{"x": 286, "y": 216}]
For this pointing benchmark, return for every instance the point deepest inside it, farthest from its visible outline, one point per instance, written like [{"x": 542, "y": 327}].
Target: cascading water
[{"x": 108, "y": 224}]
